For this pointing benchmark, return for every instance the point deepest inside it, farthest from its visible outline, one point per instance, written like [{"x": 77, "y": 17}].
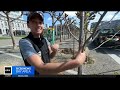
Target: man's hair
[{"x": 34, "y": 15}]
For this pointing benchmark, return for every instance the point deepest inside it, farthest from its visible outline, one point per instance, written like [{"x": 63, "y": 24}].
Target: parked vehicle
[{"x": 105, "y": 34}]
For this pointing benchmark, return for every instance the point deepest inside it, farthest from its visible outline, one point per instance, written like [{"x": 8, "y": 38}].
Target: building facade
[
  {"x": 115, "y": 24},
  {"x": 18, "y": 24}
]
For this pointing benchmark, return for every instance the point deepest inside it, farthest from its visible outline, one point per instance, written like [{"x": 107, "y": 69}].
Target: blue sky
[
  {"x": 108, "y": 16},
  {"x": 48, "y": 20}
]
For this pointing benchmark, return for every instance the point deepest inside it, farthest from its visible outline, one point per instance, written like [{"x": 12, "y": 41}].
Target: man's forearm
[{"x": 52, "y": 68}]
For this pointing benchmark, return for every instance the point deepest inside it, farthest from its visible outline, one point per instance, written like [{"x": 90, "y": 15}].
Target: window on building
[
  {"x": 0, "y": 31},
  {"x": 1, "y": 24},
  {"x": 5, "y": 23},
  {"x": 23, "y": 25},
  {"x": 7, "y": 31},
  {"x": 18, "y": 25},
  {"x": 12, "y": 24}
]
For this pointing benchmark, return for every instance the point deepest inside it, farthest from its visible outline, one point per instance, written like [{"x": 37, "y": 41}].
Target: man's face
[{"x": 36, "y": 26}]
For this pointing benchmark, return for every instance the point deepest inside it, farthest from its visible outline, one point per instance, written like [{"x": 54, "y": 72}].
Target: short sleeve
[{"x": 26, "y": 48}]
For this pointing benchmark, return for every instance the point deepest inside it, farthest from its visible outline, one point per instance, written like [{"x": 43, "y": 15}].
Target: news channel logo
[
  {"x": 20, "y": 71},
  {"x": 7, "y": 70}
]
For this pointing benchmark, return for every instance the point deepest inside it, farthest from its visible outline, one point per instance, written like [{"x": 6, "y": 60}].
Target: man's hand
[
  {"x": 55, "y": 47},
  {"x": 81, "y": 57},
  {"x": 53, "y": 50}
]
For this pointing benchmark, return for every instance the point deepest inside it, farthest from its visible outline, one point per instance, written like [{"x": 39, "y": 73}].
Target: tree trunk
[
  {"x": 60, "y": 30},
  {"x": 11, "y": 32},
  {"x": 81, "y": 38}
]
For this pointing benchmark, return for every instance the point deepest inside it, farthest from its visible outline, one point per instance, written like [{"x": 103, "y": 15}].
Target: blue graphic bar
[{"x": 23, "y": 71}]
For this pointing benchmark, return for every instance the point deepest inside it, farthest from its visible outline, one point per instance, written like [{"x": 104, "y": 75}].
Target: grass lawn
[
  {"x": 1, "y": 38},
  {"x": 8, "y": 37},
  {"x": 21, "y": 36}
]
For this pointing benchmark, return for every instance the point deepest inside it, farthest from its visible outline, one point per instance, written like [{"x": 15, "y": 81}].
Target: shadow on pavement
[
  {"x": 102, "y": 49},
  {"x": 99, "y": 50},
  {"x": 10, "y": 50},
  {"x": 110, "y": 71}
]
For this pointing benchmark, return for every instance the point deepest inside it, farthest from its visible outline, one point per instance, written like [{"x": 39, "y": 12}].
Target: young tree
[
  {"x": 97, "y": 32},
  {"x": 9, "y": 20},
  {"x": 54, "y": 16},
  {"x": 60, "y": 19},
  {"x": 81, "y": 40}
]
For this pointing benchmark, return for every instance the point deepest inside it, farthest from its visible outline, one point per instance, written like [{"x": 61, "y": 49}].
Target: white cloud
[
  {"x": 71, "y": 13},
  {"x": 107, "y": 17},
  {"x": 49, "y": 18}
]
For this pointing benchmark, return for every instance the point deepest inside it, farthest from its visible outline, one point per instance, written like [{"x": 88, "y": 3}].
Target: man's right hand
[{"x": 81, "y": 57}]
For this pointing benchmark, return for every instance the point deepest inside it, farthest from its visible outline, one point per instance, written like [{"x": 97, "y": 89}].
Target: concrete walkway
[{"x": 103, "y": 63}]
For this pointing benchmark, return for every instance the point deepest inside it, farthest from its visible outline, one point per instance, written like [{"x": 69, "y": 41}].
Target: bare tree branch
[
  {"x": 68, "y": 23},
  {"x": 11, "y": 17},
  {"x": 17, "y": 17},
  {"x": 57, "y": 19},
  {"x": 114, "y": 16},
  {"x": 99, "y": 13},
  {"x": 97, "y": 32},
  {"x": 52, "y": 14},
  {"x": 106, "y": 40},
  {"x": 48, "y": 13},
  {"x": 71, "y": 32},
  {"x": 95, "y": 29},
  {"x": 3, "y": 15}
]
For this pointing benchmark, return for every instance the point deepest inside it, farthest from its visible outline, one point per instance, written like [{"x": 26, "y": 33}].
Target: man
[{"x": 37, "y": 51}]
